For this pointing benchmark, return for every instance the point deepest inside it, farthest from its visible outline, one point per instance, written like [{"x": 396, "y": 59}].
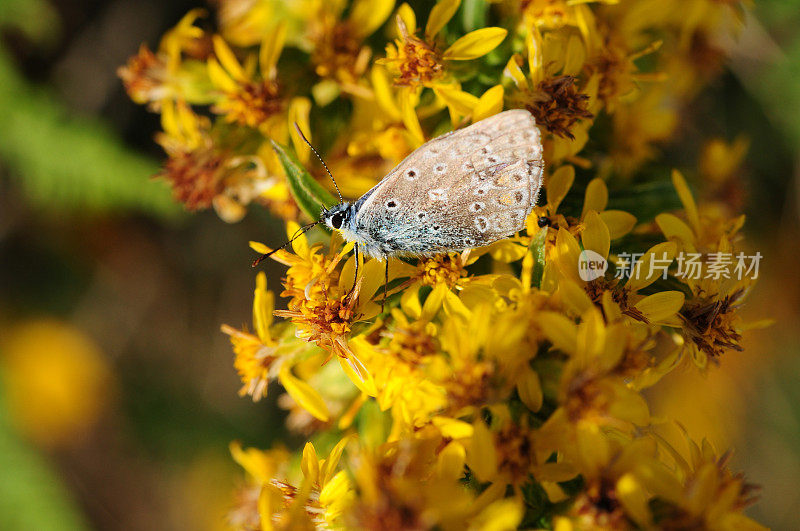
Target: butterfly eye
[{"x": 337, "y": 220}]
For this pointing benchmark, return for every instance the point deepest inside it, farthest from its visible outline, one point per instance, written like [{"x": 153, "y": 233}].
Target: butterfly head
[{"x": 337, "y": 217}]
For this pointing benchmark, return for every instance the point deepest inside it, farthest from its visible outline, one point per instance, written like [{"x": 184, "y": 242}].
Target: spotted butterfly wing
[{"x": 464, "y": 189}]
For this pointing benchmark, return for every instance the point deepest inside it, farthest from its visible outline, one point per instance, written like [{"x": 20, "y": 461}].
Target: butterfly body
[{"x": 465, "y": 189}]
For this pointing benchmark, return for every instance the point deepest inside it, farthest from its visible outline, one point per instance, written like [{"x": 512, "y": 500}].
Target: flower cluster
[{"x": 495, "y": 389}]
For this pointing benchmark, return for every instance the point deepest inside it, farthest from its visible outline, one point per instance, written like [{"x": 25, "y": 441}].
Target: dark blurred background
[{"x": 117, "y": 393}]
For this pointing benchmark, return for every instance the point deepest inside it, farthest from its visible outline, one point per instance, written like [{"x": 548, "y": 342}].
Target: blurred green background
[{"x": 117, "y": 393}]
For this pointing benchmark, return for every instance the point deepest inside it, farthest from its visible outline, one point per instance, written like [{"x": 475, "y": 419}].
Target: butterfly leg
[
  {"x": 355, "y": 275},
  {"x": 385, "y": 284}
]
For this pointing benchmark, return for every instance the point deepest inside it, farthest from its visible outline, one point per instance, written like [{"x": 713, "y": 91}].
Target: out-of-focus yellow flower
[
  {"x": 711, "y": 325},
  {"x": 638, "y": 125},
  {"x": 200, "y": 172},
  {"x": 57, "y": 382},
  {"x": 699, "y": 489}
]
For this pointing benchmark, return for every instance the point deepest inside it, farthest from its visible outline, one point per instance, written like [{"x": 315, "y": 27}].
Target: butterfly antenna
[
  {"x": 299, "y": 232},
  {"x": 299, "y": 132}
]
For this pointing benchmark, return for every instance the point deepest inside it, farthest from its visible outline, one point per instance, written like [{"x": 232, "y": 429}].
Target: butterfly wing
[{"x": 464, "y": 189}]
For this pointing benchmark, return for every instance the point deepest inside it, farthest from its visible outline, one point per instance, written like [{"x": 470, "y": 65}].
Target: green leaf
[
  {"x": 474, "y": 14},
  {"x": 311, "y": 196},
  {"x": 537, "y": 247},
  {"x": 31, "y": 494},
  {"x": 63, "y": 161}
]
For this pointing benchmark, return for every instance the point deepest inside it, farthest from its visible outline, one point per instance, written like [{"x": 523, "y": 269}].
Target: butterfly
[{"x": 464, "y": 189}]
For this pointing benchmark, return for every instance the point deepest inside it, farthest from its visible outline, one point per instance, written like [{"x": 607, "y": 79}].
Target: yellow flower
[
  {"x": 651, "y": 118},
  {"x": 412, "y": 484},
  {"x": 698, "y": 489},
  {"x": 501, "y": 388},
  {"x": 711, "y": 324},
  {"x": 507, "y": 456},
  {"x": 155, "y": 78},
  {"x": 247, "y": 101},
  {"x": 551, "y": 92},
  {"x": 593, "y": 383},
  {"x": 260, "y": 358},
  {"x": 200, "y": 173},
  {"x": 56, "y": 381},
  {"x": 338, "y": 52},
  {"x": 325, "y": 301},
  {"x": 420, "y": 62}
]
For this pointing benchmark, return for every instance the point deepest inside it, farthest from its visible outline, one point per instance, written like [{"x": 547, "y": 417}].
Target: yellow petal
[
  {"x": 591, "y": 335},
  {"x": 533, "y": 43},
  {"x": 530, "y": 390},
  {"x": 475, "y": 44},
  {"x": 309, "y": 464},
  {"x": 453, "y": 306},
  {"x": 634, "y": 500},
  {"x": 440, "y": 15},
  {"x": 410, "y": 304},
  {"x": 596, "y": 197},
  {"x": 333, "y": 459},
  {"x": 611, "y": 309},
  {"x": 408, "y": 17},
  {"x": 489, "y": 104},
  {"x": 660, "y": 306},
  {"x": 513, "y": 71},
  {"x": 559, "y": 330},
  {"x": 434, "y": 302},
  {"x": 169, "y": 119},
  {"x": 335, "y": 490},
  {"x": 675, "y": 229},
  {"x": 271, "y": 48},
  {"x": 410, "y": 119},
  {"x": 686, "y": 198},
  {"x": 558, "y": 185},
  {"x": 651, "y": 266},
  {"x": 299, "y": 110},
  {"x": 501, "y": 515},
  {"x": 382, "y": 87},
  {"x": 566, "y": 255},
  {"x": 482, "y": 456},
  {"x": 219, "y": 78},
  {"x": 574, "y": 57},
  {"x": 619, "y": 223},
  {"x": 259, "y": 247},
  {"x": 596, "y": 236},
  {"x": 356, "y": 370},
  {"x": 227, "y": 59},
  {"x": 450, "y": 462},
  {"x": 261, "y": 465},
  {"x": 299, "y": 244},
  {"x": 453, "y": 428},
  {"x": 462, "y": 103},
  {"x": 368, "y": 15},
  {"x": 556, "y": 472},
  {"x": 305, "y": 395},
  {"x": 263, "y": 302},
  {"x": 574, "y": 297}
]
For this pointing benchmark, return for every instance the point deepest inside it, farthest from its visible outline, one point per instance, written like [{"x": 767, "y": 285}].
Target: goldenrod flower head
[
  {"x": 445, "y": 268},
  {"x": 248, "y": 101},
  {"x": 499, "y": 388}
]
